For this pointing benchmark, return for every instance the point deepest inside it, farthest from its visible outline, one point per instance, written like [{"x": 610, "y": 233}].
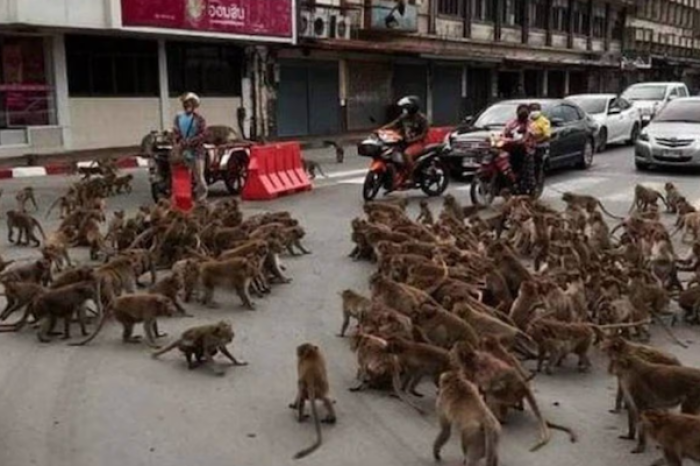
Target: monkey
[
  {"x": 676, "y": 434},
  {"x": 170, "y": 286},
  {"x": 418, "y": 360},
  {"x": 55, "y": 248},
  {"x": 426, "y": 215},
  {"x": 555, "y": 340},
  {"x": 19, "y": 294},
  {"x": 25, "y": 225},
  {"x": 354, "y": 305},
  {"x": 512, "y": 270},
  {"x": 90, "y": 232},
  {"x": 339, "y": 150},
  {"x": 123, "y": 183},
  {"x": 663, "y": 262},
  {"x": 460, "y": 404},
  {"x": 23, "y": 196},
  {"x": 645, "y": 197},
  {"x": 616, "y": 346},
  {"x": 131, "y": 309},
  {"x": 655, "y": 386},
  {"x": 311, "y": 166},
  {"x": 442, "y": 327},
  {"x": 312, "y": 385},
  {"x": 188, "y": 269},
  {"x": 238, "y": 271},
  {"x": 142, "y": 262},
  {"x": 673, "y": 196},
  {"x": 63, "y": 303},
  {"x": 598, "y": 232},
  {"x": 200, "y": 344},
  {"x": 66, "y": 205},
  {"x": 35, "y": 272},
  {"x": 452, "y": 207},
  {"x": 690, "y": 223},
  {"x": 586, "y": 202},
  {"x": 291, "y": 237},
  {"x": 116, "y": 224}
]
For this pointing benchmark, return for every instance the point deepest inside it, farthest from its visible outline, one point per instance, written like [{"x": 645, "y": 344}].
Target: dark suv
[{"x": 573, "y": 135}]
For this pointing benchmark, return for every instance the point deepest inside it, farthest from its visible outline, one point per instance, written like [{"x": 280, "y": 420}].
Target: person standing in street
[{"x": 190, "y": 130}]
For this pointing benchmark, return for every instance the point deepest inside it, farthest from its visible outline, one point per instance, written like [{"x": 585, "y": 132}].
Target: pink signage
[{"x": 272, "y": 18}]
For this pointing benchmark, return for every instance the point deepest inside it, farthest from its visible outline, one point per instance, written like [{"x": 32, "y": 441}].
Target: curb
[{"x": 64, "y": 168}]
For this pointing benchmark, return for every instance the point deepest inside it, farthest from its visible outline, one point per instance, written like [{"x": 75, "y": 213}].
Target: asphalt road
[{"x": 110, "y": 404}]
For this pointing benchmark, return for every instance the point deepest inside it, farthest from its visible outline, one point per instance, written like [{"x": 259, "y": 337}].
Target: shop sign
[
  {"x": 271, "y": 18},
  {"x": 398, "y": 15}
]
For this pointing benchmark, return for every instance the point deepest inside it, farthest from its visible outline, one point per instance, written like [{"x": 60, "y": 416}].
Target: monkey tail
[
  {"x": 525, "y": 345},
  {"x": 317, "y": 426},
  {"x": 669, "y": 332},
  {"x": 572, "y": 434},
  {"x": 545, "y": 434},
  {"x": 51, "y": 207},
  {"x": 170, "y": 347},
  {"x": 41, "y": 230},
  {"x": 602, "y": 207},
  {"x": 98, "y": 328}
]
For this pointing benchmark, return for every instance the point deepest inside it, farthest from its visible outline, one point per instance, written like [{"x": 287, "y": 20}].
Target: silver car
[{"x": 672, "y": 138}]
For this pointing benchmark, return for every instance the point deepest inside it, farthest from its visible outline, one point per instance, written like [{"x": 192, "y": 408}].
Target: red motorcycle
[
  {"x": 387, "y": 169},
  {"x": 492, "y": 177}
]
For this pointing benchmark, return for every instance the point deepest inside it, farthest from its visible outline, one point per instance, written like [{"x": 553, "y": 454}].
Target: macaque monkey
[
  {"x": 354, "y": 305},
  {"x": 238, "y": 272},
  {"x": 200, "y": 344},
  {"x": 311, "y": 166},
  {"x": 678, "y": 435},
  {"x": 170, "y": 287},
  {"x": 673, "y": 196},
  {"x": 460, "y": 405},
  {"x": 131, "y": 309},
  {"x": 587, "y": 203},
  {"x": 645, "y": 197},
  {"x": 25, "y": 225},
  {"x": 123, "y": 183},
  {"x": 19, "y": 294},
  {"x": 63, "y": 303},
  {"x": 23, "y": 196},
  {"x": 312, "y": 385},
  {"x": 36, "y": 272},
  {"x": 339, "y": 150},
  {"x": 425, "y": 217}
]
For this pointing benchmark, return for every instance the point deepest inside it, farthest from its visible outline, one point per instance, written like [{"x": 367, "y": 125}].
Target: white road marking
[
  {"x": 345, "y": 173},
  {"x": 621, "y": 196},
  {"x": 578, "y": 184},
  {"x": 358, "y": 180},
  {"x": 26, "y": 172}
]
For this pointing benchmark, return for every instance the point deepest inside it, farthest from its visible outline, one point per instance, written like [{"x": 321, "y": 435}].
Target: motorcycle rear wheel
[
  {"x": 371, "y": 186},
  {"x": 482, "y": 191},
  {"x": 434, "y": 178},
  {"x": 236, "y": 173}
]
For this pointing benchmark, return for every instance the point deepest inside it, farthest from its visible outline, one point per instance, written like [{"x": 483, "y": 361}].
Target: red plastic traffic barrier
[
  {"x": 437, "y": 135},
  {"x": 181, "y": 187},
  {"x": 275, "y": 170}
]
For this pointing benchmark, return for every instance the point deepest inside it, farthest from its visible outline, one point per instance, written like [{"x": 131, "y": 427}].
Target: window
[
  {"x": 208, "y": 70},
  {"x": 105, "y": 66},
  {"x": 674, "y": 92},
  {"x": 512, "y": 12},
  {"x": 560, "y": 13},
  {"x": 624, "y": 105},
  {"x": 484, "y": 10},
  {"x": 570, "y": 113},
  {"x": 450, "y": 7},
  {"x": 581, "y": 20},
  {"x": 599, "y": 22},
  {"x": 682, "y": 92},
  {"x": 538, "y": 14}
]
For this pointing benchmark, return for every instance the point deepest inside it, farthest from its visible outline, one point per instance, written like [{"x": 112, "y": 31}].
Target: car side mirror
[
  {"x": 556, "y": 122},
  {"x": 614, "y": 111},
  {"x": 468, "y": 120},
  {"x": 672, "y": 97}
]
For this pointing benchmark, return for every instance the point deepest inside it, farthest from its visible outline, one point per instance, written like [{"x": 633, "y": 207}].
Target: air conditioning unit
[
  {"x": 340, "y": 26},
  {"x": 320, "y": 27},
  {"x": 305, "y": 27}
]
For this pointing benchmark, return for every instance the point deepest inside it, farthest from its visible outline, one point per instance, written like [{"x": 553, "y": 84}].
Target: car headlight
[{"x": 644, "y": 137}]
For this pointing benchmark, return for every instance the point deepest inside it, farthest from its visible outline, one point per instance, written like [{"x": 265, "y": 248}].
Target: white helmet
[{"x": 190, "y": 96}]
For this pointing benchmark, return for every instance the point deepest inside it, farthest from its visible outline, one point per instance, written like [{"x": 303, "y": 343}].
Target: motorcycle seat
[{"x": 428, "y": 148}]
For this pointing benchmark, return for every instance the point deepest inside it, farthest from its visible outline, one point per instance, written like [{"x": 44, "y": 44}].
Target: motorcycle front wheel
[
  {"x": 433, "y": 179},
  {"x": 482, "y": 191},
  {"x": 371, "y": 186}
]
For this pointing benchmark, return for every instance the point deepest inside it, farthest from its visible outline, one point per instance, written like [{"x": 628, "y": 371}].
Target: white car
[
  {"x": 650, "y": 97},
  {"x": 618, "y": 119}
]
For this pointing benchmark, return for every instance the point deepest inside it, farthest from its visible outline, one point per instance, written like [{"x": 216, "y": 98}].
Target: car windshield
[
  {"x": 680, "y": 112},
  {"x": 497, "y": 115},
  {"x": 645, "y": 92},
  {"x": 590, "y": 105}
]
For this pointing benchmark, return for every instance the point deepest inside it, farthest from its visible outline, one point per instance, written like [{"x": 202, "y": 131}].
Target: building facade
[{"x": 79, "y": 75}]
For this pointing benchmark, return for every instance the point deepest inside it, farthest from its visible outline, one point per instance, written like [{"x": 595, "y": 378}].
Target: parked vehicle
[
  {"x": 227, "y": 163},
  {"x": 672, "y": 139},
  {"x": 574, "y": 135},
  {"x": 388, "y": 171},
  {"x": 619, "y": 120},
  {"x": 490, "y": 178},
  {"x": 651, "y": 97}
]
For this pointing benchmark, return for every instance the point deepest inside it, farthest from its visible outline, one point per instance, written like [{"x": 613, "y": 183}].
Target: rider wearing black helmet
[{"x": 413, "y": 126}]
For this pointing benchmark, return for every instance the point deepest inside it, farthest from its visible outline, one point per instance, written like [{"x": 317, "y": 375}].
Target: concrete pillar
[
  {"x": 566, "y": 83},
  {"x": 164, "y": 86},
  {"x": 60, "y": 82},
  {"x": 494, "y": 83},
  {"x": 545, "y": 83},
  {"x": 429, "y": 94}
]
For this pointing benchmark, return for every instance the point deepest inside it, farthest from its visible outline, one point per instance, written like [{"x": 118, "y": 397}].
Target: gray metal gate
[
  {"x": 411, "y": 80},
  {"x": 307, "y": 99},
  {"x": 447, "y": 94}
]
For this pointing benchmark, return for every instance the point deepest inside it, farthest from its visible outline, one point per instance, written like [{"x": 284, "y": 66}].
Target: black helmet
[{"x": 409, "y": 103}]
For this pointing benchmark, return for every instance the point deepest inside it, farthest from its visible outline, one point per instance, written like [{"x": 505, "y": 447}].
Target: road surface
[{"x": 110, "y": 404}]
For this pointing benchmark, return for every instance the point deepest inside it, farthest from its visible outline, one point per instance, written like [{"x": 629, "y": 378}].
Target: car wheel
[
  {"x": 634, "y": 134},
  {"x": 586, "y": 156},
  {"x": 641, "y": 166},
  {"x": 602, "y": 139}
]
